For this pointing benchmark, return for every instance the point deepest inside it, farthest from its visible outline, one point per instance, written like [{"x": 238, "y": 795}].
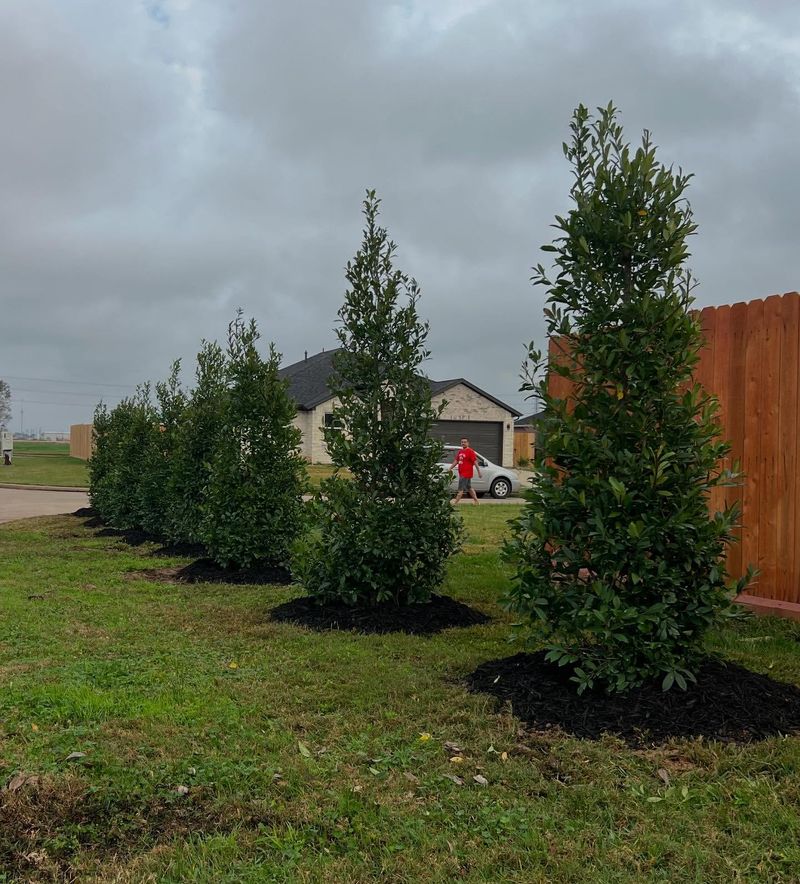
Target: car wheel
[{"x": 500, "y": 489}]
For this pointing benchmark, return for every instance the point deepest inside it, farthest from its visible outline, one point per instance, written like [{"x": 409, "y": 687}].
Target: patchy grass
[
  {"x": 300, "y": 753},
  {"x": 29, "y": 468}
]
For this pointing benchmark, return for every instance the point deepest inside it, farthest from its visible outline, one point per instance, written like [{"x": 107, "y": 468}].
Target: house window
[{"x": 330, "y": 422}]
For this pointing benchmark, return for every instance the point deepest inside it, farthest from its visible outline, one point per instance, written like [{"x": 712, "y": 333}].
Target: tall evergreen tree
[
  {"x": 620, "y": 567},
  {"x": 386, "y": 533},
  {"x": 253, "y": 507},
  {"x": 202, "y": 422}
]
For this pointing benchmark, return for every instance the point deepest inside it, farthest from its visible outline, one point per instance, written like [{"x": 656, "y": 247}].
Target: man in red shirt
[{"x": 466, "y": 459}]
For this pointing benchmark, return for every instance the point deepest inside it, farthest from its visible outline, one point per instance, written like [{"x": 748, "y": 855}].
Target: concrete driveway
[{"x": 18, "y": 503}]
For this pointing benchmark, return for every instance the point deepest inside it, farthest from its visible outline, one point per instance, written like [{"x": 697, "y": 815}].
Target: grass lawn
[
  {"x": 44, "y": 468},
  {"x": 301, "y": 752},
  {"x": 34, "y": 446}
]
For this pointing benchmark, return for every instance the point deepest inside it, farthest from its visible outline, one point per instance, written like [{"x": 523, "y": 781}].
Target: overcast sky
[{"x": 163, "y": 163}]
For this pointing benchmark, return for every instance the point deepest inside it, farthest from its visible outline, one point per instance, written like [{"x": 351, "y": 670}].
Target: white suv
[{"x": 498, "y": 481}]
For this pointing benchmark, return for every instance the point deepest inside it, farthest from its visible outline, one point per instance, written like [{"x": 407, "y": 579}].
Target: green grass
[
  {"x": 302, "y": 753},
  {"x": 33, "y": 446},
  {"x": 44, "y": 469}
]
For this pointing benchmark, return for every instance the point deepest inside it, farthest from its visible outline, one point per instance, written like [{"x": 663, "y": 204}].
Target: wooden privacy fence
[
  {"x": 80, "y": 441},
  {"x": 751, "y": 363},
  {"x": 524, "y": 444}
]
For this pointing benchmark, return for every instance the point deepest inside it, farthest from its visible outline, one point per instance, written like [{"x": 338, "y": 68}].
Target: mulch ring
[
  {"x": 440, "y": 613},
  {"x": 207, "y": 571},
  {"x": 729, "y": 703}
]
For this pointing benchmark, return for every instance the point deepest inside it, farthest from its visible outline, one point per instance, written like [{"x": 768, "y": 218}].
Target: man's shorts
[{"x": 464, "y": 484}]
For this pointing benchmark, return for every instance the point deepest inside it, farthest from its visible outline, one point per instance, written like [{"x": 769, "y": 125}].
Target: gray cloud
[{"x": 163, "y": 163}]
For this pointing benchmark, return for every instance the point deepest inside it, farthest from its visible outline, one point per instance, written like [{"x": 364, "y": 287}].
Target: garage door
[{"x": 486, "y": 437}]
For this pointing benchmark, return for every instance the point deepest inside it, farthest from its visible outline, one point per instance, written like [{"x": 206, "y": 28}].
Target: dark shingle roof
[
  {"x": 308, "y": 382},
  {"x": 529, "y": 420}
]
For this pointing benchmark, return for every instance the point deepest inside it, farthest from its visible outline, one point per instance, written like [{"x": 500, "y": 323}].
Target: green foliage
[
  {"x": 253, "y": 506},
  {"x": 620, "y": 568},
  {"x": 126, "y": 441},
  {"x": 101, "y": 463},
  {"x": 387, "y": 533},
  {"x": 201, "y": 423},
  {"x": 5, "y": 404},
  {"x": 156, "y": 486}
]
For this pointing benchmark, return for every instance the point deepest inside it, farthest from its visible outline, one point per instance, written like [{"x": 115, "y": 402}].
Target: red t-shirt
[{"x": 465, "y": 459}]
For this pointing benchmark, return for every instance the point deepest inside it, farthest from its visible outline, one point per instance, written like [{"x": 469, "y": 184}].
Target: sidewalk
[{"x": 23, "y": 502}]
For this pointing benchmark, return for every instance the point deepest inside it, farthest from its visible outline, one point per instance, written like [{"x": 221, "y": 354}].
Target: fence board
[
  {"x": 786, "y": 580},
  {"x": 735, "y": 426},
  {"x": 770, "y": 466},
  {"x": 751, "y": 450},
  {"x": 720, "y": 386}
]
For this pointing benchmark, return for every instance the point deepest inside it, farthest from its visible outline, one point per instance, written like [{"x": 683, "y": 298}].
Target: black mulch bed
[
  {"x": 729, "y": 703},
  {"x": 132, "y": 538},
  {"x": 179, "y": 550},
  {"x": 440, "y": 613},
  {"x": 207, "y": 571},
  {"x": 86, "y": 512}
]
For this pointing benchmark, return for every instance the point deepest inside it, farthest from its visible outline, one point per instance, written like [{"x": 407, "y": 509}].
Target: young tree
[
  {"x": 387, "y": 533},
  {"x": 253, "y": 508},
  {"x": 101, "y": 463},
  {"x": 5, "y": 404},
  {"x": 619, "y": 564},
  {"x": 201, "y": 424},
  {"x": 155, "y": 482},
  {"x": 126, "y": 440}
]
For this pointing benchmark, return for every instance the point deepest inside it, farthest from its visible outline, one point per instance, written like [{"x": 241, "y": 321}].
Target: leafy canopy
[
  {"x": 387, "y": 534},
  {"x": 619, "y": 565}
]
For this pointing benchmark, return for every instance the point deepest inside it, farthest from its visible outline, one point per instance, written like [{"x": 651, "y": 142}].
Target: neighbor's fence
[
  {"x": 751, "y": 363},
  {"x": 80, "y": 441},
  {"x": 524, "y": 444}
]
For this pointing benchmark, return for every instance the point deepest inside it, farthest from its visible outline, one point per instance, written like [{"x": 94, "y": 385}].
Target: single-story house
[{"x": 487, "y": 422}]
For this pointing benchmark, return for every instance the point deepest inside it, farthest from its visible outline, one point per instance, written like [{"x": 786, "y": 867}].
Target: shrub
[
  {"x": 619, "y": 565},
  {"x": 385, "y": 534},
  {"x": 201, "y": 423},
  {"x": 126, "y": 437},
  {"x": 253, "y": 507}
]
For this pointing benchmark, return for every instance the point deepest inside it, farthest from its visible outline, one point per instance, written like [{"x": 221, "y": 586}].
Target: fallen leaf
[
  {"x": 192, "y": 771},
  {"x": 374, "y": 771},
  {"x": 480, "y": 780},
  {"x": 304, "y": 750},
  {"x": 664, "y": 775},
  {"x": 277, "y": 776},
  {"x": 457, "y": 780},
  {"x": 34, "y": 727},
  {"x": 233, "y": 665},
  {"x": 410, "y": 776},
  {"x": 504, "y": 756},
  {"x": 182, "y": 790},
  {"x": 424, "y": 737},
  {"x": 452, "y": 747},
  {"x": 74, "y": 756},
  {"x": 358, "y": 787},
  {"x": 19, "y": 780},
  {"x": 457, "y": 759}
]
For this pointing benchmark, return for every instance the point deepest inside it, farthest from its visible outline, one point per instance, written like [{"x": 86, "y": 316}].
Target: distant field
[
  {"x": 33, "y": 447},
  {"x": 42, "y": 467}
]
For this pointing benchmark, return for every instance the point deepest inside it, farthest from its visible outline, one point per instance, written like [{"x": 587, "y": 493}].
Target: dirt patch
[
  {"x": 729, "y": 703},
  {"x": 46, "y": 824},
  {"x": 439, "y": 614}
]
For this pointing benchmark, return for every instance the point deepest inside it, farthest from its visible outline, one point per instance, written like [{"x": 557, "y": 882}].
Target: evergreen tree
[
  {"x": 620, "y": 567},
  {"x": 253, "y": 507},
  {"x": 387, "y": 532},
  {"x": 200, "y": 426}
]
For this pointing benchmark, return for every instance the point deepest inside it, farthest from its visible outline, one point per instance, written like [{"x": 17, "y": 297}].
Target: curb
[{"x": 70, "y": 488}]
